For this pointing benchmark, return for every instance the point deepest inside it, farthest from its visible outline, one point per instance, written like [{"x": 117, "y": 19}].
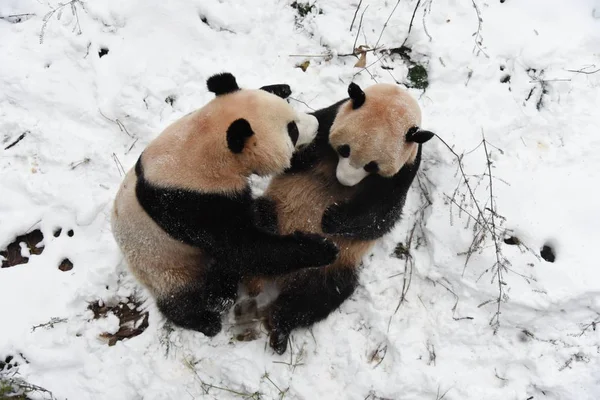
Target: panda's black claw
[{"x": 278, "y": 341}]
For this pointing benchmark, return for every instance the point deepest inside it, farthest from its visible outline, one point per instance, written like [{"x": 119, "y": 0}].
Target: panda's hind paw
[{"x": 278, "y": 341}]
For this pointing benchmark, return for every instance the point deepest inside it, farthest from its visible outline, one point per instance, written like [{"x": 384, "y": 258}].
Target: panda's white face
[
  {"x": 371, "y": 138},
  {"x": 307, "y": 128}
]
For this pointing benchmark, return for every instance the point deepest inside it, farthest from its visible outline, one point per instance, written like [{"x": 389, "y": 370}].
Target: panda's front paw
[
  {"x": 332, "y": 222},
  {"x": 317, "y": 250}
]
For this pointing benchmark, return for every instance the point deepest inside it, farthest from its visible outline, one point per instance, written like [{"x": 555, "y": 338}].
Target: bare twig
[
  {"x": 49, "y": 324},
  {"x": 592, "y": 325},
  {"x": 58, "y": 11},
  {"x": 355, "y": 13},
  {"x": 477, "y": 34},
  {"x": 499, "y": 264},
  {"x": 118, "y": 164},
  {"x": 358, "y": 33},
  {"x": 300, "y": 101},
  {"x": 21, "y": 137},
  {"x": 411, "y": 21},
  {"x": 386, "y": 23},
  {"x": 426, "y": 11},
  {"x": 122, "y": 127},
  {"x": 581, "y": 71}
]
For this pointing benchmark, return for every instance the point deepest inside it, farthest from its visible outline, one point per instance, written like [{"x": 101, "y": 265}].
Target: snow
[{"x": 57, "y": 91}]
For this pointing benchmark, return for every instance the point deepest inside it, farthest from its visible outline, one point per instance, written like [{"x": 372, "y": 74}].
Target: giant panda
[
  {"x": 183, "y": 217},
  {"x": 350, "y": 184}
]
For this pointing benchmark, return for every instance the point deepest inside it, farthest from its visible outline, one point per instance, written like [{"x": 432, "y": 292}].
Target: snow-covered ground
[{"x": 84, "y": 115}]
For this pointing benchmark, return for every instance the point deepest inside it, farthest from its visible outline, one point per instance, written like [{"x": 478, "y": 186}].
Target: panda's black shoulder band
[
  {"x": 222, "y": 83},
  {"x": 139, "y": 169}
]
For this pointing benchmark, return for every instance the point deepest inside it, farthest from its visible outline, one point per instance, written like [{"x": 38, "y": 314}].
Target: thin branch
[
  {"x": 499, "y": 264},
  {"x": 477, "y": 34},
  {"x": 411, "y": 22},
  {"x": 300, "y": 101},
  {"x": 581, "y": 71},
  {"x": 21, "y": 137},
  {"x": 355, "y": 13},
  {"x": 358, "y": 32},
  {"x": 386, "y": 23}
]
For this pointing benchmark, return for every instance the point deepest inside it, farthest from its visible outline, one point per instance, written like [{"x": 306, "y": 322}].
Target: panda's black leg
[
  {"x": 187, "y": 310},
  {"x": 220, "y": 289},
  {"x": 264, "y": 213},
  {"x": 307, "y": 297}
]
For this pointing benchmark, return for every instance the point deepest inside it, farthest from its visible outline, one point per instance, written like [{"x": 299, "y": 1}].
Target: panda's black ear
[
  {"x": 356, "y": 94},
  {"x": 282, "y": 90},
  {"x": 416, "y": 135},
  {"x": 222, "y": 83},
  {"x": 238, "y": 132}
]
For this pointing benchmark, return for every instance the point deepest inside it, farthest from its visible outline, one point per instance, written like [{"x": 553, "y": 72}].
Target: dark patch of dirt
[
  {"x": 133, "y": 320},
  {"x": 12, "y": 254},
  {"x": 547, "y": 253},
  {"x": 65, "y": 265},
  {"x": 401, "y": 251},
  {"x": 170, "y": 100}
]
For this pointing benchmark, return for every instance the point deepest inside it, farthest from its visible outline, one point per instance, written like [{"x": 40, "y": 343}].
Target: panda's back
[{"x": 157, "y": 260}]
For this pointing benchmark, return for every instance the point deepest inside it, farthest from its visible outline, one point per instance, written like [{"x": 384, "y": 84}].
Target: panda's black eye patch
[
  {"x": 372, "y": 167},
  {"x": 344, "y": 151},
  {"x": 293, "y": 132}
]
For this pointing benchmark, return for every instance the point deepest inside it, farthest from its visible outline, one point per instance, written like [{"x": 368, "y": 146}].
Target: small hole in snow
[
  {"x": 204, "y": 19},
  {"x": 505, "y": 78},
  {"x": 547, "y": 253},
  {"x": 57, "y": 232},
  {"x": 512, "y": 240},
  {"x": 70, "y": 233},
  {"x": 103, "y": 51}
]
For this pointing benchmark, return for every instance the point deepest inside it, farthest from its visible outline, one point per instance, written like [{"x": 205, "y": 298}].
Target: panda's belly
[
  {"x": 160, "y": 262},
  {"x": 302, "y": 199}
]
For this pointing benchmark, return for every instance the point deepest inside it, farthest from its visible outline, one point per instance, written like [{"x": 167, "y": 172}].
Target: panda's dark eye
[
  {"x": 293, "y": 132},
  {"x": 344, "y": 151},
  {"x": 372, "y": 167}
]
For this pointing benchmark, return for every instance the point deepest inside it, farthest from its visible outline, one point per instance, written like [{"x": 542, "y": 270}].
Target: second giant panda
[
  {"x": 350, "y": 183},
  {"x": 183, "y": 215}
]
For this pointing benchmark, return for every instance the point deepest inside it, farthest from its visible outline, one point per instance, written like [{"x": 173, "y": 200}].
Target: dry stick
[
  {"x": 367, "y": 68},
  {"x": 581, "y": 71},
  {"x": 494, "y": 238},
  {"x": 21, "y": 137},
  {"x": 459, "y": 158},
  {"x": 425, "y": 12},
  {"x": 300, "y": 101},
  {"x": 386, "y": 22},
  {"x": 355, "y": 13},
  {"x": 478, "y": 32},
  {"x": 411, "y": 22},
  {"x": 358, "y": 32}
]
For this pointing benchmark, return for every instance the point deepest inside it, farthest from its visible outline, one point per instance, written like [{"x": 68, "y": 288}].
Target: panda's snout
[{"x": 347, "y": 175}]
